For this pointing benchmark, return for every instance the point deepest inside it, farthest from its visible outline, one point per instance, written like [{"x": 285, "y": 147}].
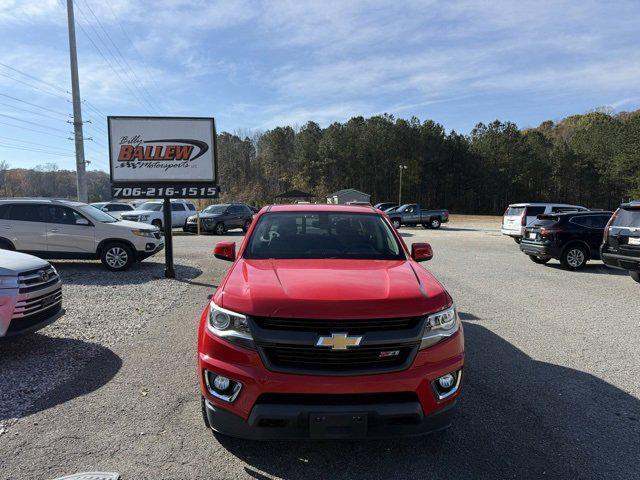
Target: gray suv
[
  {"x": 220, "y": 218},
  {"x": 31, "y": 294}
]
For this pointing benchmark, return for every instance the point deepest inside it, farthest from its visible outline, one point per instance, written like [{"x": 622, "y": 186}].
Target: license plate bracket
[{"x": 342, "y": 425}]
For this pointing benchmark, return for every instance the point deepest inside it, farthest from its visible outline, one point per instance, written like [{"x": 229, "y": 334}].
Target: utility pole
[
  {"x": 77, "y": 111},
  {"x": 402, "y": 167}
]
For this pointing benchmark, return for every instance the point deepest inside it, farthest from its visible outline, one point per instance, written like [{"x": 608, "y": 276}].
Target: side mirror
[
  {"x": 225, "y": 251},
  {"x": 421, "y": 252},
  {"x": 82, "y": 221}
]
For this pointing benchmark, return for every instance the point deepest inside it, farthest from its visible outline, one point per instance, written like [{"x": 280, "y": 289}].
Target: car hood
[
  {"x": 207, "y": 215},
  {"x": 128, "y": 224},
  {"x": 12, "y": 263},
  {"x": 139, "y": 212},
  {"x": 340, "y": 289}
]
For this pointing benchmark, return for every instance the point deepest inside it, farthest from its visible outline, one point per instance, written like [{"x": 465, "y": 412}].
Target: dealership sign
[{"x": 154, "y": 157}]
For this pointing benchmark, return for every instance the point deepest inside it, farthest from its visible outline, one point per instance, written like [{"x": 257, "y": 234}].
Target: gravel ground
[
  {"x": 551, "y": 386},
  {"x": 102, "y": 308}
]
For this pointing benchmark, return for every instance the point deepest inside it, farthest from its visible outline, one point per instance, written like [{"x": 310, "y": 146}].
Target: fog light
[
  {"x": 445, "y": 381},
  {"x": 221, "y": 383}
]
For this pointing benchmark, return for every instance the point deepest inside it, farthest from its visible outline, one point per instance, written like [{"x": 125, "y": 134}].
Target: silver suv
[
  {"x": 66, "y": 229},
  {"x": 31, "y": 293}
]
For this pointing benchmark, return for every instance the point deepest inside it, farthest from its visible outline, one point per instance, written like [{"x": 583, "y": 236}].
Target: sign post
[{"x": 163, "y": 157}]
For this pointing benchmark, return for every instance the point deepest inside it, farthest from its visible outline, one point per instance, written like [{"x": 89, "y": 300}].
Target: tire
[
  {"x": 157, "y": 223},
  {"x": 117, "y": 256},
  {"x": 635, "y": 276},
  {"x": 517, "y": 240},
  {"x": 204, "y": 413},
  {"x": 246, "y": 226},
  {"x": 435, "y": 223},
  {"x": 396, "y": 223},
  {"x": 539, "y": 260},
  {"x": 220, "y": 228},
  {"x": 574, "y": 257},
  {"x": 6, "y": 245}
]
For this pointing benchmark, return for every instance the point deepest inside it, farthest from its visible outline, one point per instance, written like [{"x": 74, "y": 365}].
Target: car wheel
[
  {"x": 204, "y": 413},
  {"x": 246, "y": 226},
  {"x": 434, "y": 223},
  {"x": 396, "y": 223},
  {"x": 517, "y": 239},
  {"x": 539, "y": 259},
  {"x": 219, "y": 229},
  {"x": 574, "y": 257},
  {"x": 157, "y": 223},
  {"x": 635, "y": 276},
  {"x": 117, "y": 257}
]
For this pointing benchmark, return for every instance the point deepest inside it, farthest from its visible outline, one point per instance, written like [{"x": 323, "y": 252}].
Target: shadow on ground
[
  {"x": 93, "y": 273},
  {"x": 517, "y": 418},
  {"x": 597, "y": 268},
  {"x": 31, "y": 364}
]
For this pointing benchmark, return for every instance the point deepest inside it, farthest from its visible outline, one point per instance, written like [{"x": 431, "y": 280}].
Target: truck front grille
[
  {"x": 34, "y": 305},
  {"x": 326, "y": 326},
  {"x": 39, "y": 279}
]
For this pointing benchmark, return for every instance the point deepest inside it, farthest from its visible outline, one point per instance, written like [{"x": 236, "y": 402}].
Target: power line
[
  {"x": 33, "y": 104},
  {"x": 2, "y": 145},
  {"x": 95, "y": 109},
  {"x": 31, "y": 129},
  {"x": 55, "y": 87},
  {"x": 129, "y": 71},
  {"x": 29, "y": 111},
  {"x": 32, "y": 143},
  {"x": 32, "y": 123},
  {"x": 33, "y": 86}
]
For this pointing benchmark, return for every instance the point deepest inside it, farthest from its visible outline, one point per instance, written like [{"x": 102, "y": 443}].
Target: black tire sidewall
[
  {"x": 635, "y": 276},
  {"x": 245, "y": 227},
  {"x": 158, "y": 223},
  {"x": 538, "y": 260},
  {"x": 564, "y": 261},
  {"x": 125, "y": 247}
]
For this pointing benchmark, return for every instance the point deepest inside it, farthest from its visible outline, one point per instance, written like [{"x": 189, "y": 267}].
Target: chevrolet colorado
[{"x": 326, "y": 326}]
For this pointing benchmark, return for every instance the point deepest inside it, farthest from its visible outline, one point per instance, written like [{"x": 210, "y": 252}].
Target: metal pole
[
  {"x": 169, "y": 272},
  {"x": 400, "y": 189},
  {"x": 81, "y": 178}
]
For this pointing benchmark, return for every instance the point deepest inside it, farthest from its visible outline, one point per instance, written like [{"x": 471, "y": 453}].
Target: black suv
[
  {"x": 220, "y": 218},
  {"x": 621, "y": 247},
  {"x": 571, "y": 237}
]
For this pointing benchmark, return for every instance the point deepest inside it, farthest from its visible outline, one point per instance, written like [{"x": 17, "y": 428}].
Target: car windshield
[
  {"x": 301, "y": 235},
  {"x": 97, "y": 214},
  {"x": 99, "y": 205},
  {"x": 403, "y": 208},
  {"x": 151, "y": 206},
  {"x": 627, "y": 218},
  {"x": 215, "y": 209}
]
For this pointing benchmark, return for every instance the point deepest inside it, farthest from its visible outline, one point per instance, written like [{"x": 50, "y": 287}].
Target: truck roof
[{"x": 320, "y": 208}]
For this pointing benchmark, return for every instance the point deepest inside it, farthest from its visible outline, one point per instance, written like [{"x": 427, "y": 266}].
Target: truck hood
[
  {"x": 140, "y": 212},
  {"x": 340, "y": 289},
  {"x": 12, "y": 263}
]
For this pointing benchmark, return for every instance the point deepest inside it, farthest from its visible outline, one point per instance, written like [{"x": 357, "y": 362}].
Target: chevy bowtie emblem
[{"x": 339, "y": 341}]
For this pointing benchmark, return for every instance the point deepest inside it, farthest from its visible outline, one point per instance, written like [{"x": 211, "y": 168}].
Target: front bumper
[
  {"x": 142, "y": 254},
  {"x": 320, "y": 421},
  {"x": 624, "y": 262}
]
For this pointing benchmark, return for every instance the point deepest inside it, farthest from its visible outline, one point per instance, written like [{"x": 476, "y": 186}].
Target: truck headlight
[
  {"x": 9, "y": 282},
  {"x": 142, "y": 233},
  {"x": 232, "y": 326},
  {"x": 143, "y": 218},
  {"x": 439, "y": 326}
]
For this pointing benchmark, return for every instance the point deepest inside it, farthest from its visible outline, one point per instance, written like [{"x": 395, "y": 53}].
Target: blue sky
[{"x": 254, "y": 65}]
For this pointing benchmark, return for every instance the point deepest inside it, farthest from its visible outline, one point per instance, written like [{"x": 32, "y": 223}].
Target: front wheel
[
  {"x": 517, "y": 239},
  {"x": 219, "y": 229},
  {"x": 157, "y": 223},
  {"x": 246, "y": 226},
  {"x": 117, "y": 257},
  {"x": 574, "y": 257},
  {"x": 396, "y": 223},
  {"x": 635, "y": 276},
  {"x": 539, "y": 259}
]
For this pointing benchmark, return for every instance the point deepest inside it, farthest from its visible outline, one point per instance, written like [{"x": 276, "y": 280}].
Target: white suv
[
  {"x": 65, "y": 229},
  {"x": 31, "y": 294},
  {"x": 152, "y": 212},
  {"x": 519, "y": 215}
]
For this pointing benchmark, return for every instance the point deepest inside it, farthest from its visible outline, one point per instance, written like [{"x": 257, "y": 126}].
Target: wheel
[
  {"x": 574, "y": 257},
  {"x": 434, "y": 223},
  {"x": 6, "y": 245},
  {"x": 117, "y": 257},
  {"x": 157, "y": 223},
  {"x": 635, "y": 276},
  {"x": 396, "y": 223},
  {"x": 219, "y": 229},
  {"x": 204, "y": 413},
  {"x": 246, "y": 226},
  {"x": 539, "y": 259},
  {"x": 517, "y": 239}
]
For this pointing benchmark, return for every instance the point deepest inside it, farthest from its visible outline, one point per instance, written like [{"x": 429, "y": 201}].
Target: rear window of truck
[
  {"x": 514, "y": 212},
  {"x": 627, "y": 218}
]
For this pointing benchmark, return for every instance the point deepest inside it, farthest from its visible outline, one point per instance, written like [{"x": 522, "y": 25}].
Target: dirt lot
[{"x": 551, "y": 377}]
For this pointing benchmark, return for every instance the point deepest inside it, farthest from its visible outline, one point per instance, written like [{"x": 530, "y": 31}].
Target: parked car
[
  {"x": 220, "y": 218},
  {"x": 385, "y": 205},
  {"x": 412, "y": 214},
  {"x": 30, "y": 293},
  {"x": 115, "y": 209},
  {"x": 621, "y": 246},
  {"x": 152, "y": 212},
  {"x": 65, "y": 229},
  {"x": 572, "y": 237},
  {"x": 358, "y": 203},
  {"x": 518, "y": 216},
  {"x": 326, "y": 326}
]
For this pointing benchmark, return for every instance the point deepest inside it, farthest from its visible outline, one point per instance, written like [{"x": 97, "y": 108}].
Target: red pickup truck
[{"x": 325, "y": 326}]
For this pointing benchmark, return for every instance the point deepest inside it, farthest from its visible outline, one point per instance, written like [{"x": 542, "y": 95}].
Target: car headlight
[
  {"x": 142, "y": 233},
  {"x": 439, "y": 326},
  {"x": 143, "y": 218},
  {"x": 9, "y": 282},
  {"x": 232, "y": 326}
]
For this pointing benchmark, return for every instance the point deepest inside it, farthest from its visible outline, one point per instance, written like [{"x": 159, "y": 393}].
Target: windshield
[
  {"x": 627, "y": 218},
  {"x": 217, "y": 209},
  {"x": 97, "y": 214},
  {"x": 151, "y": 206},
  {"x": 300, "y": 235},
  {"x": 403, "y": 208}
]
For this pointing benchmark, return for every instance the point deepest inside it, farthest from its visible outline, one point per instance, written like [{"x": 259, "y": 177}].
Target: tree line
[{"x": 591, "y": 159}]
